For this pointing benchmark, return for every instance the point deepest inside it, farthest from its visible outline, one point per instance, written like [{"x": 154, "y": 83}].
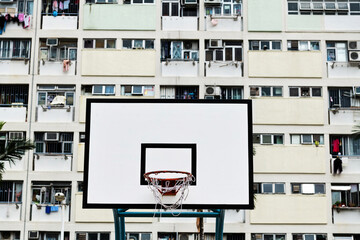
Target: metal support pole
[
  {"x": 120, "y": 214},
  {"x": 219, "y": 229}
]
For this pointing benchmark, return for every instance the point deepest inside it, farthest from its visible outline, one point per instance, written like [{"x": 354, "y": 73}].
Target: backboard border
[{"x": 89, "y": 101}]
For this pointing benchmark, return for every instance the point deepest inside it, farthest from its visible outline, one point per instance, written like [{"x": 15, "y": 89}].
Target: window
[
  {"x": 231, "y": 92},
  {"x": 138, "y": 1},
  {"x": 336, "y": 52},
  {"x": 265, "y": 91},
  {"x": 101, "y": 1},
  {"x": 223, "y": 50},
  {"x": 267, "y": 236},
  {"x": 269, "y": 188},
  {"x": 309, "y": 236},
  {"x": 56, "y": 96},
  {"x": 62, "y": 50},
  {"x": 103, "y": 90},
  {"x": 342, "y": 98},
  {"x": 305, "y": 92},
  {"x": 5, "y": 137},
  {"x": 44, "y": 192},
  {"x": 138, "y": 236},
  {"x": 345, "y": 144},
  {"x": 345, "y": 194},
  {"x": 138, "y": 44},
  {"x": 326, "y": 7},
  {"x": 295, "y": 45},
  {"x": 307, "y": 138},
  {"x": 226, "y": 8},
  {"x": 70, "y": 9},
  {"x": 13, "y": 94},
  {"x": 82, "y": 137},
  {"x": 265, "y": 45},
  {"x": 308, "y": 188},
  {"x": 99, "y": 43},
  {"x": 11, "y": 48},
  {"x": 10, "y": 191},
  {"x": 268, "y": 138},
  {"x": 136, "y": 90},
  {"x": 179, "y": 92},
  {"x": 171, "y": 8},
  {"x": 54, "y": 143},
  {"x": 180, "y": 50},
  {"x": 93, "y": 236}
]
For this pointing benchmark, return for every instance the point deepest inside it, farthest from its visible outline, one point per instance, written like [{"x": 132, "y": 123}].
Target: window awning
[{"x": 341, "y": 188}]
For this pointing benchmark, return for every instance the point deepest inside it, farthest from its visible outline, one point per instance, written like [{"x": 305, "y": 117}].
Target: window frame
[
  {"x": 300, "y": 136},
  {"x": 259, "y": 90},
  {"x": 260, "y": 42},
  {"x": 311, "y": 185},
  {"x": 272, "y": 135},
  {"x": 301, "y": 90},
  {"x": 23, "y": 45},
  {"x": 211, "y": 10},
  {"x": 105, "y": 43}
]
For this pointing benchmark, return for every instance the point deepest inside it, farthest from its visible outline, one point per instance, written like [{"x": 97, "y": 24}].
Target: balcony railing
[
  {"x": 65, "y": 21},
  {"x": 343, "y": 69},
  {"x": 346, "y": 215},
  {"x": 15, "y": 112},
  {"x": 350, "y": 165}
]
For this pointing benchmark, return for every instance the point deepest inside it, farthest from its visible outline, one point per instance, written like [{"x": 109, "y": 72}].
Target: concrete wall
[
  {"x": 119, "y": 17},
  {"x": 98, "y": 62},
  {"x": 346, "y": 216},
  {"x": 39, "y": 214},
  {"x": 289, "y": 209},
  {"x": 14, "y": 67},
  {"x": 13, "y": 114},
  {"x": 304, "y": 23},
  {"x": 344, "y": 117},
  {"x": 180, "y": 68},
  {"x": 343, "y": 70},
  {"x": 10, "y": 212},
  {"x": 223, "y": 24},
  {"x": 265, "y": 15},
  {"x": 342, "y": 23},
  {"x": 179, "y": 23},
  {"x": 55, "y": 114},
  {"x": 59, "y": 22},
  {"x": 289, "y": 159},
  {"x": 81, "y": 157},
  {"x": 53, "y": 163},
  {"x": 91, "y": 215},
  {"x": 292, "y": 111},
  {"x": 223, "y": 69},
  {"x": 296, "y": 64},
  {"x": 56, "y": 68}
]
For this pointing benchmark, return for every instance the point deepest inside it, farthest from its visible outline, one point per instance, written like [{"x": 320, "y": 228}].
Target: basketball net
[{"x": 169, "y": 183}]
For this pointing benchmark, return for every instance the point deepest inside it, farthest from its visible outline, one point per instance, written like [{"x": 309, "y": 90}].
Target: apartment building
[{"x": 298, "y": 60}]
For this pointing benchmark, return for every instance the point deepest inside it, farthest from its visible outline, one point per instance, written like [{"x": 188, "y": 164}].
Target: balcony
[
  {"x": 343, "y": 69},
  {"x": 17, "y": 166},
  {"x": 56, "y": 68},
  {"x": 223, "y": 69},
  {"x": 180, "y": 68},
  {"x": 13, "y": 112},
  {"x": 223, "y": 23},
  {"x": 180, "y": 23},
  {"x": 264, "y": 161},
  {"x": 290, "y": 111},
  {"x": 59, "y": 163},
  {"x": 346, "y": 215},
  {"x": 59, "y": 22},
  {"x": 96, "y": 62},
  {"x": 289, "y": 64},
  {"x": 344, "y": 116},
  {"x": 119, "y": 17},
  {"x": 10, "y": 212},
  {"x": 38, "y": 213},
  {"x": 14, "y": 67},
  {"x": 289, "y": 209},
  {"x": 350, "y": 165},
  {"x": 91, "y": 215},
  {"x": 55, "y": 114}
]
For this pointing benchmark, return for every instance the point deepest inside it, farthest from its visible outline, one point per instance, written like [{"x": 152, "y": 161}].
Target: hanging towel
[
  {"x": 55, "y": 6},
  {"x": 61, "y": 5},
  {"x": 47, "y": 209},
  {"x": 66, "y": 64},
  {"x": 66, "y": 4},
  {"x": 27, "y": 21},
  {"x": 21, "y": 17}
]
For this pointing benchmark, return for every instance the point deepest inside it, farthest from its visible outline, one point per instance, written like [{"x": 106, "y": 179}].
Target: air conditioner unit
[
  {"x": 215, "y": 43},
  {"x": 183, "y": 236},
  {"x": 317, "y": 6},
  {"x": 137, "y": 90},
  {"x": 16, "y": 135},
  {"x": 52, "y": 42},
  {"x": 187, "y": 45},
  {"x": 213, "y": 91},
  {"x": 354, "y": 56},
  {"x": 305, "y": 6},
  {"x": 6, "y": 235},
  {"x": 51, "y": 136},
  {"x": 354, "y": 45},
  {"x": 213, "y": 1},
  {"x": 330, "y": 6},
  {"x": 33, "y": 234}
]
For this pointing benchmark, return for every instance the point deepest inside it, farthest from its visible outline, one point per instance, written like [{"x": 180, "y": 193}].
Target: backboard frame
[{"x": 89, "y": 103}]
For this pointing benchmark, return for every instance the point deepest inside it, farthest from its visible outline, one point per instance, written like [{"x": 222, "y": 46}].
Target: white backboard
[{"x": 126, "y": 138}]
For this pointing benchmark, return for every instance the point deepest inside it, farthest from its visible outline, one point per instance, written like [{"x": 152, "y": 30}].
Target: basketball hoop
[{"x": 169, "y": 183}]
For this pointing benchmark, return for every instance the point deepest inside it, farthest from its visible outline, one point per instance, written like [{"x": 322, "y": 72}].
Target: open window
[
  {"x": 223, "y": 50},
  {"x": 186, "y": 50},
  {"x": 54, "y": 143},
  {"x": 55, "y": 96},
  {"x": 44, "y": 192},
  {"x": 58, "y": 49}
]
